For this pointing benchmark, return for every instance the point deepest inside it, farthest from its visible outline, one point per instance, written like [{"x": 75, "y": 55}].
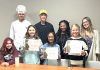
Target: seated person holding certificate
[
  {"x": 50, "y": 50},
  {"x": 32, "y": 46},
  {"x": 8, "y": 52},
  {"x": 76, "y": 47}
]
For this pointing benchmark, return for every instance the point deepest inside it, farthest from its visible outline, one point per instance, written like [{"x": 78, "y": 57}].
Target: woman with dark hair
[
  {"x": 51, "y": 44},
  {"x": 8, "y": 52},
  {"x": 62, "y": 35}
]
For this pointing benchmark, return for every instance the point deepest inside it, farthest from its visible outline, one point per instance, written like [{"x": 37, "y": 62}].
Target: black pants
[{"x": 41, "y": 61}]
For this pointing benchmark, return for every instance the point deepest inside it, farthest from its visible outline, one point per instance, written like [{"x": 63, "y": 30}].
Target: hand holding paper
[{"x": 52, "y": 53}]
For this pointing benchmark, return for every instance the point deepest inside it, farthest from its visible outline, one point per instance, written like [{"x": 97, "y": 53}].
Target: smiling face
[
  {"x": 63, "y": 27},
  {"x": 8, "y": 44},
  {"x": 75, "y": 31},
  {"x": 86, "y": 23},
  {"x": 51, "y": 38},
  {"x": 43, "y": 17},
  {"x": 31, "y": 31},
  {"x": 21, "y": 16}
]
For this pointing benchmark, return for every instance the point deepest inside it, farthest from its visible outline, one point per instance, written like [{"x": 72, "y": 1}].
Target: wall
[{"x": 71, "y": 10}]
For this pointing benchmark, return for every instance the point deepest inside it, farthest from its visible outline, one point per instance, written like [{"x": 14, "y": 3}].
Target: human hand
[
  {"x": 83, "y": 53},
  {"x": 44, "y": 55},
  {"x": 64, "y": 50},
  {"x": 5, "y": 64}
]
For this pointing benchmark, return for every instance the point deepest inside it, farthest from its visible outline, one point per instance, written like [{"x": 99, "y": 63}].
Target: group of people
[{"x": 31, "y": 41}]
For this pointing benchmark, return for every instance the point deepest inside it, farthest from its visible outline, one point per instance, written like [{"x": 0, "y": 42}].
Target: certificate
[
  {"x": 33, "y": 46},
  {"x": 52, "y": 52},
  {"x": 75, "y": 47}
]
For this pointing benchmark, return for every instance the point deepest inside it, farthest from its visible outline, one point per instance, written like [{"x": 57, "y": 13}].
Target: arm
[
  {"x": 15, "y": 54},
  {"x": 65, "y": 47},
  {"x": 12, "y": 32},
  {"x": 43, "y": 54},
  {"x": 2, "y": 61},
  {"x": 57, "y": 38},
  {"x": 59, "y": 56},
  {"x": 97, "y": 41},
  {"x": 52, "y": 28},
  {"x": 1, "y": 58},
  {"x": 85, "y": 49}
]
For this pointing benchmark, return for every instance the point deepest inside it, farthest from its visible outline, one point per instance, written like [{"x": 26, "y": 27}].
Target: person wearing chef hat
[{"x": 19, "y": 27}]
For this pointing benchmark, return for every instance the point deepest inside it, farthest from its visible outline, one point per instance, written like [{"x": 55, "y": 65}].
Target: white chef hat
[{"x": 21, "y": 9}]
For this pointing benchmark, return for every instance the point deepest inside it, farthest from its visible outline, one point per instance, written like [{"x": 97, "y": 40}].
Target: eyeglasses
[{"x": 21, "y": 14}]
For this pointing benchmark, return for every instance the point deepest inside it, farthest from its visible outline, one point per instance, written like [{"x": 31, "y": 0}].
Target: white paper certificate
[
  {"x": 33, "y": 46},
  {"x": 52, "y": 53},
  {"x": 75, "y": 47}
]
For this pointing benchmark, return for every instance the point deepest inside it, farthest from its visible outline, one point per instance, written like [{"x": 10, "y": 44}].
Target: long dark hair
[
  {"x": 27, "y": 33},
  {"x": 67, "y": 28}
]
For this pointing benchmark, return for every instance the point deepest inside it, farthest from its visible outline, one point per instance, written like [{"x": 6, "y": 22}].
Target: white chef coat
[{"x": 17, "y": 32}]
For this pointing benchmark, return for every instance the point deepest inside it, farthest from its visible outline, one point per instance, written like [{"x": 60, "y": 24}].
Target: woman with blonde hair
[
  {"x": 76, "y": 47},
  {"x": 91, "y": 36}
]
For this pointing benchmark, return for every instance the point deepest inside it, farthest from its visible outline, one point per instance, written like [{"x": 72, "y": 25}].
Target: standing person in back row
[
  {"x": 62, "y": 36},
  {"x": 44, "y": 27},
  {"x": 19, "y": 27},
  {"x": 91, "y": 35}
]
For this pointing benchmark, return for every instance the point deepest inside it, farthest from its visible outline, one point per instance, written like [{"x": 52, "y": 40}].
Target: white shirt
[{"x": 17, "y": 32}]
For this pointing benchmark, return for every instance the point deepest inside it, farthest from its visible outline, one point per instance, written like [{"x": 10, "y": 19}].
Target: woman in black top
[{"x": 62, "y": 35}]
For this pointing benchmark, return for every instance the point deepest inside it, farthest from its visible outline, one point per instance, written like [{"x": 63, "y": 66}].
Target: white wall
[{"x": 71, "y": 10}]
